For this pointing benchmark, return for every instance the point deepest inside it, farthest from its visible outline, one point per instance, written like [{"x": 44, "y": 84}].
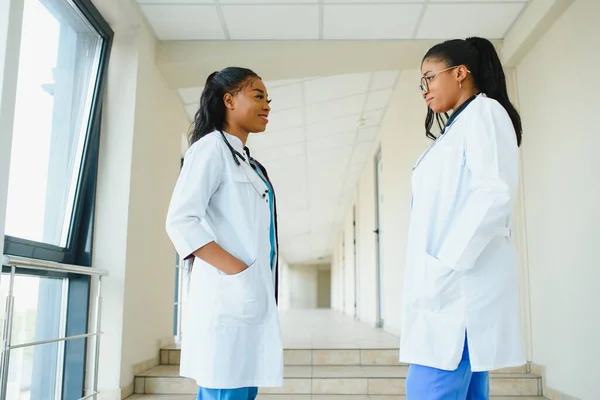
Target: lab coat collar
[{"x": 235, "y": 142}]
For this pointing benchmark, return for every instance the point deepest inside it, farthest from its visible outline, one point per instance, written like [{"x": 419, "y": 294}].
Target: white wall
[
  {"x": 139, "y": 163},
  {"x": 558, "y": 93}
]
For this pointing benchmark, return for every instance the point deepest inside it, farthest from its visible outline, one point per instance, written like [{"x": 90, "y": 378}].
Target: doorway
[
  {"x": 354, "y": 261},
  {"x": 379, "y": 259}
]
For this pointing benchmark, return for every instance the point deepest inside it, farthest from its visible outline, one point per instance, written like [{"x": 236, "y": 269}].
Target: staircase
[{"x": 329, "y": 374}]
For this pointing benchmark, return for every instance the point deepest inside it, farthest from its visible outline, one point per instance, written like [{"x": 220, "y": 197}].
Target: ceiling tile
[
  {"x": 294, "y": 223},
  {"x": 316, "y": 113},
  {"x": 268, "y": 22},
  {"x": 367, "y": 134},
  {"x": 281, "y": 82},
  {"x": 286, "y": 97},
  {"x": 318, "y": 171},
  {"x": 267, "y": 1},
  {"x": 355, "y": 21},
  {"x": 332, "y": 127},
  {"x": 190, "y": 95},
  {"x": 335, "y": 87},
  {"x": 328, "y": 142},
  {"x": 323, "y": 155},
  {"x": 270, "y": 139},
  {"x": 480, "y": 1},
  {"x": 372, "y": 118},
  {"x": 486, "y": 20},
  {"x": 384, "y": 80},
  {"x": 184, "y": 22},
  {"x": 295, "y": 200},
  {"x": 355, "y": 168},
  {"x": 175, "y": 2},
  {"x": 372, "y": 1},
  {"x": 378, "y": 99},
  {"x": 265, "y": 155},
  {"x": 281, "y": 120}
]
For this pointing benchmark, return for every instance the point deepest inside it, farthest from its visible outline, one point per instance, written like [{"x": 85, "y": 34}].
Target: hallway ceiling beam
[
  {"x": 535, "y": 21},
  {"x": 188, "y": 63}
]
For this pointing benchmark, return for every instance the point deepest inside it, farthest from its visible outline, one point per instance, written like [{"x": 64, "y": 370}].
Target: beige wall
[
  {"x": 139, "y": 163},
  {"x": 349, "y": 295},
  {"x": 558, "y": 94},
  {"x": 324, "y": 287},
  {"x": 304, "y": 286},
  {"x": 401, "y": 140}
]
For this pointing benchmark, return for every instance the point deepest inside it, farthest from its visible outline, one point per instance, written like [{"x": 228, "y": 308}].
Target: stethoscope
[{"x": 236, "y": 156}]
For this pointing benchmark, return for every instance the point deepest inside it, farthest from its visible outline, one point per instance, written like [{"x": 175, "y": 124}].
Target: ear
[
  {"x": 229, "y": 101},
  {"x": 461, "y": 73}
]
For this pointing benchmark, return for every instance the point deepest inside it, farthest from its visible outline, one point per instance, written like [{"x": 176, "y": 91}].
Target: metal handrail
[
  {"x": 31, "y": 263},
  {"x": 7, "y": 346}
]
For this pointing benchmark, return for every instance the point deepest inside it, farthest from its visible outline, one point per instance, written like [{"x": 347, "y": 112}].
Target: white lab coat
[
  {"x": 461, "y": 272},
  {"x": 230, "y": 330}
]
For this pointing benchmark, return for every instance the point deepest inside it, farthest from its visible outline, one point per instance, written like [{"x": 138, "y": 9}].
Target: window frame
[{"x": 78, "y": 250}]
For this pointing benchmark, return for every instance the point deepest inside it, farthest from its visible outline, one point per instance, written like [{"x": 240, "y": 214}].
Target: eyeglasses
[{"x": 424, "y": 86}]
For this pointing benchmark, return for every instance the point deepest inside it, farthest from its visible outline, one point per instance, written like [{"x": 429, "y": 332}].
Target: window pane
[
  {"x": 58, "y": 66},
  {"x": 39, "y": 313}
]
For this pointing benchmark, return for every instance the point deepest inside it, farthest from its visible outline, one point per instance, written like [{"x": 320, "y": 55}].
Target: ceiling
[
  {"x": 329, "y": 19},
  {"x": 323, "y": 129},
  {"x": 321, "y": 133}
]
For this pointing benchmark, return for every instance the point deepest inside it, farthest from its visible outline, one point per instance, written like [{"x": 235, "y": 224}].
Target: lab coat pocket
[
  {"x": 241, "y": 298},
  {"x": 439, "y": 286}
]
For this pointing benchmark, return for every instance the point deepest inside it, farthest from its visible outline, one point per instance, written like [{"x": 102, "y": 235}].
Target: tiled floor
[{"x": 327, "y": 329}]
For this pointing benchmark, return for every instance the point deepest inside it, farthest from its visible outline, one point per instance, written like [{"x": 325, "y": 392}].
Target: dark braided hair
[{"x": 480, "y": 57}]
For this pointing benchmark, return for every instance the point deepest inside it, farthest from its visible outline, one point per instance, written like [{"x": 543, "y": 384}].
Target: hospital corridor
[{"x": 106, "y": 263}]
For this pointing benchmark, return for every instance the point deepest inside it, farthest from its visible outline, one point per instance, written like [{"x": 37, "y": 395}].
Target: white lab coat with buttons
[
  {"x": 230, "y": 330},
  {"x": 461, "y": 272}
]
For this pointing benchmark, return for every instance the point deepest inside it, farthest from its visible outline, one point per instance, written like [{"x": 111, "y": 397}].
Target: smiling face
[
  {"x": 440, "y": 85},
  {"x": 248, "y": 109}
]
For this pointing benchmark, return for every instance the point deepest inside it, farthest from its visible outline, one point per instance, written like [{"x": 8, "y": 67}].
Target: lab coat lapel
[{"x": 263, "y": 170}]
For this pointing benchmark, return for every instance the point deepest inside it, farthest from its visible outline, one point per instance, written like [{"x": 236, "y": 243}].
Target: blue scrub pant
[
  {"x": 425, "y": 383},
  {"x": 227, "y": 394}
]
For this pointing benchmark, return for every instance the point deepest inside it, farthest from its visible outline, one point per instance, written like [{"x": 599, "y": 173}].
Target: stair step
[
  {"x": 313, "y": 357},
  {"x": 333, "y": 380},
  {"x": 304, "y": 397}
]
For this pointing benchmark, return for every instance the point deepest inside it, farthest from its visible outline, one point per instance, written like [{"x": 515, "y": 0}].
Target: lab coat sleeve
[
  {"x": 198, "y": 180},
  {"x": 491, "y": 155}
]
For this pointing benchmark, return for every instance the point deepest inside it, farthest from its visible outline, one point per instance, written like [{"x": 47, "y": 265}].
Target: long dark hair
[
  {"x": 211, "y": 113},
  {"x": 481, "y": 58}
]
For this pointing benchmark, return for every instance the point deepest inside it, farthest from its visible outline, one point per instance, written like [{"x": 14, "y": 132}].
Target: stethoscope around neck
[{"x": 236, "y": 156}]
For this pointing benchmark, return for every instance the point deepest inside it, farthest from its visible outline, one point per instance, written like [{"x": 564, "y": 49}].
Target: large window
[
  {"x": 64, "y": 51},
  {"x": 64, "y": 48}
]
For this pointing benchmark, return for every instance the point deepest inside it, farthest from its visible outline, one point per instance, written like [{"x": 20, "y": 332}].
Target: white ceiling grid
[
  {"x": 329, "y": 19},
  {"x": 320, "y": 135}
]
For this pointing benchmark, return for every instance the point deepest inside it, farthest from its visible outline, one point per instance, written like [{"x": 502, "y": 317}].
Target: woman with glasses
[
  {"x": 461, "y": 315},
  {"x": 222, "y": 218}
]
